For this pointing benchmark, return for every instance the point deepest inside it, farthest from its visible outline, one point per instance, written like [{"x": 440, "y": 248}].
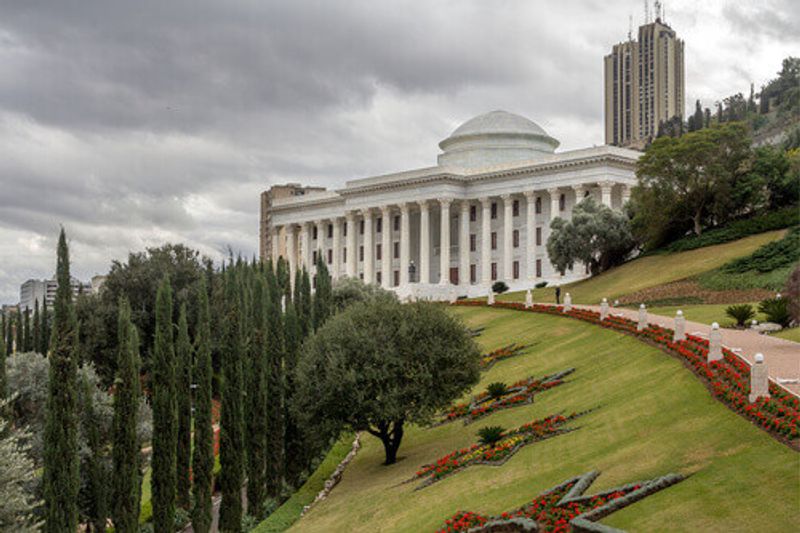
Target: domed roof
[
  {"x": 498, "y": 122},
  {"x": 494, "y": 138}
]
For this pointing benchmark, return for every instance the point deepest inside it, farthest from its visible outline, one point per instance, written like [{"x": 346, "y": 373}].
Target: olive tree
[{"x": 379, "y": 365}]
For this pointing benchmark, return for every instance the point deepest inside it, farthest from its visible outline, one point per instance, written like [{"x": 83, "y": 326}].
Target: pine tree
[
  {"x": 203, "y": 453},
  {"x": 36, "y": 343},
  {"x": 126, "y": 479},
  {"x": 97, "y": 512},
  {"x": 183, "y": 354},
  {"x": 707, "y": 115},
  {"x": 27, "y": 337},
  {"x": 44, "y": 336},
  {"x": 698, "y": 116},
  {"x": 164, "y": 413},
  {"x": 61, "y": 477},
  {"x": 257, "y": 404},
  {"x": 275, "y": 391},
  {"x": 232, "y": 415},
  {"x": 323, "y": 297}
]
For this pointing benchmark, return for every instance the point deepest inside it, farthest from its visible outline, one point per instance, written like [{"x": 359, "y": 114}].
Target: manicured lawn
[
  {"x": 792, "y": 334},
  {"x": 704, "y": 313},
  {"x": 651, "y": 270},
  {"x": 653, "y": 417}
]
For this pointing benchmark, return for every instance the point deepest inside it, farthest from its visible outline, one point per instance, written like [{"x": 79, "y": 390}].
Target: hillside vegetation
[{"x": 651, "y": 417}]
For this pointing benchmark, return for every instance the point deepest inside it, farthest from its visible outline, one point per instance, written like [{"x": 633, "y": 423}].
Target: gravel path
[{"x": 781, "y": 356}]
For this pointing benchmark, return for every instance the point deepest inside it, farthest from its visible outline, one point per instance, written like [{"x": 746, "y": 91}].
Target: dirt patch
[{"x": 690, "y": 292}]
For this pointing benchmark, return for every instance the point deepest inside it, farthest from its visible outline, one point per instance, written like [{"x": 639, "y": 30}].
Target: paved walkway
[{"x": 781, "y": 356}]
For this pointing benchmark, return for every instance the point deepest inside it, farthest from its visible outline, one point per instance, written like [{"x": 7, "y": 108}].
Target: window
[
  {"x": 515, "y": 208},
  {"x": 473, "y": 242},
  {"x": 378, "y": 277},
  {"x": 314, "y": 232},
  {"x": 473, "y": 274},
  {"x": 361, "y": 253},
  {"x": 494, "y": 210},
  {"x": 330, "y": 231},
  {"x": 361, "y": 227},
  {"x": 473, "y": 213},
  {"x": 562, "y": 202},
  {"x": 538, "y": 236},
  {"x": 397, "y": 223},
  {"x": 516, "y": 238},
  {"x": 330, "y": 256},
  {"x": 397, "y": 250},
  {"x": 538, "y": 268},
  {"x": 379, "y": 225},
  {"x": 378, "y": 252},
  {"x": 361, "y": 275},
  {"x": 396, "y": 278},
  {"x": 314, "y": 256},
  {"x": 344, "y": 231},
  {"x": 344, "y": 254},
  {"x": 494, "y": 271},
  {"x": 538, "y": 205},
  {"x": 314, "y": 282},
  {"x": 516, "y": 269},
  {"x": 494, "y": 240}
]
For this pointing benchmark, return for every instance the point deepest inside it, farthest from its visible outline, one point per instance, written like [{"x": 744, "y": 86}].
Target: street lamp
[{"x": 412, "y": 269}]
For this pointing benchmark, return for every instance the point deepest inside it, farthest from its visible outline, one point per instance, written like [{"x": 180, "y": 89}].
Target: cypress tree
[
  {"x": 231, "y": 414},
  {"x": 3, "y": 378},
  {"x": 323, "y": 297},
  {"x": 304, "y": 308},
  {"x": 256, "y": 404},
  {"x": 183, "y": 354},
  {"x": 61, "y": 477},
  {"x": 10, "y": 334},
  {"x": 27, "y": 338},
  {"x": 203, "y": 454},
  {"x": 97, "y": 512},
  {"x": 295, "y": 449},
  {"x": 126, "y": 479},
  {"x": 698, "y": 116},
  {"x": 36, "y": 343},
  {"x": 297, "y": 297},
  {"x": 284, "y": 276},
  {"x": 164, "y": 413},
  {"x": 44, "y": 336},
  {"x": 275, "y": 391}
]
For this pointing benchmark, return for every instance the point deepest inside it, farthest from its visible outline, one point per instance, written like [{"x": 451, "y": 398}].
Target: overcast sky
[{"x": 139, "y": 123}]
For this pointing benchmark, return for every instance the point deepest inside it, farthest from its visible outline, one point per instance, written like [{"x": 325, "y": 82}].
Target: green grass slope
[
  {"x": 652, "y": 270},
  {"x": 654, "y": 417}
]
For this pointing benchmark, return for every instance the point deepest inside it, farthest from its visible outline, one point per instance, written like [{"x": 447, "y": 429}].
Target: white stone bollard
[
  {"x": 603, "y": 309},
  {"x": 567, "y": 302},
  {"x": 714, "y": 343},
  {"x": 490, "y": 298},
  {"x": 642, "y": 325},
  {"x": 528, "y": 299},
  {"x": 759, "y": 379},
  {"x": 680, "y": 327}
]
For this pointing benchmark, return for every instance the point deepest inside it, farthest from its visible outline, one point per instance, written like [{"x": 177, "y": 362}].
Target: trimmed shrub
[
  {"x": 490, "y": 434},
  {"x": 776, "y": 310},
  {"x": 499, "y": 287},
  {"x": 741, "y": 313},
  {"x": 540, "y": 285},
  {"x": 771, "y": 256},
  {"x": 496, "y": 390}
]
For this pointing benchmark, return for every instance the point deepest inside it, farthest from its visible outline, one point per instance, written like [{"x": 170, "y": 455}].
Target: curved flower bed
[
  {"x": 564, "y": 507},
  {"x": 494, "y": 454},
  {"x": 520, "y": 393},
  {"x": 501, "y": 353},
  {"x": 728, "y": 379}
]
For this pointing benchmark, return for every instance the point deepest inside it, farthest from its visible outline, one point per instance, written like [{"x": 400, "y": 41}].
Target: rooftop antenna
[
  {"x": 646, "y": 12},
  {"x": 630, "y": 27},
  {"x": 658, "y": 10}
]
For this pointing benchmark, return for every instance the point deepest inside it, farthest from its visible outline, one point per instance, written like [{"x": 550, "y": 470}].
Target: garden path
[{"x": 781, "y": 356}]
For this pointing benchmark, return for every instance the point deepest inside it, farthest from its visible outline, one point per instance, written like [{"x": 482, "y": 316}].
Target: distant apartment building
[
  {"x": 644, "y": 84},
  {"x": 270, "y": 238},
  {"x": 41, "y": 290}
]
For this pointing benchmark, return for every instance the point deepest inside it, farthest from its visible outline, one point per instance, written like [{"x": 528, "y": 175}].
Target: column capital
[
  {"x": 385, "y": 210},
  {"x": 464, "y": 206},
  {"x": 506, "y": 197},
  {"x": 350, "y": 216},
  {"x": 366, "y": 212},
  {"x": 485, "y": 201},
  {"x": 445, "y": 202},
  {"x": 529, "y": 194},
  {"x": 274, "y": 230},
  {"x": 405, "y": 207},
  {"x": 423, "y": 204},
  {"x": 289, "y": 228},
  {"x": 552, "y": 191},
  {"x": 319, "y": 221},
  {"x": 578, "y": 188},
  {"x": 605, "y": 184}
]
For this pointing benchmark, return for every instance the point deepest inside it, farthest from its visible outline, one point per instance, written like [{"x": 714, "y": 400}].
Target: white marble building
[{"x": 482, "y": 214}]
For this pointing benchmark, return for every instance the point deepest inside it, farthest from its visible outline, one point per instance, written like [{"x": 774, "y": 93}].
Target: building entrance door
[{"x": 454, "y": 275}]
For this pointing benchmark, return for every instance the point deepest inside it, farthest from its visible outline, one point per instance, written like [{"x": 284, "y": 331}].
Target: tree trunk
[
  {"x": 391, "y": 434},
  {"x": 698, "y": 229}
]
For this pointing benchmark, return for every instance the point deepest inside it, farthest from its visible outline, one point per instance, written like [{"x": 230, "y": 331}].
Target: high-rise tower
[{"x": 644, "y": 84}]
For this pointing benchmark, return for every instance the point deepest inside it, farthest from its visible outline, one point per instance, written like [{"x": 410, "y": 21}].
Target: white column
[
  {"x": 553, "y": 203},
  {"x": 305, "y": 244},
  {"x": 486, "y": 241},
  {"x": 424, "y": 274},
  {"x": 579, "y": 191},
  {"x": 291, "y": 252},
  {"x": 444, "y": 241},
  {"x": 276, "y": 250},
  {"x": 605, "y": 192},
  {"x": 405, "y": 243},
  {"x": 626, "y": 194},
  {"x": 463, "y": 245},
  {"x": 530, "y": 234},
  {"x": 386, "y": 247},
  {"x": 337, "y": 247},
  {"x": 508, "y": 231},
  {"x": 369, "y": 253},
  {"x": 352, "y": 270},
  {"x": 320, "y": 224}
]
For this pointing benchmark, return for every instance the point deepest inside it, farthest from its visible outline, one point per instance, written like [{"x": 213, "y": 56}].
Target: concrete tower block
[
  {"x": 603, "y": 309},
  {"x": 528, "y": 299},
  {"x": 490, "y": 298},
  {"x": 680, "y": 327},
  {"x": 642, "y": 318},
  {"x": 567, "y": 302},
  {"x": 759, "y": 379},
  {"x": 714, "y": 343}
]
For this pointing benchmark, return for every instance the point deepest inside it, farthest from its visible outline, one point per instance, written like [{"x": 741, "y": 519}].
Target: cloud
[{"x": 137, "y": 123}]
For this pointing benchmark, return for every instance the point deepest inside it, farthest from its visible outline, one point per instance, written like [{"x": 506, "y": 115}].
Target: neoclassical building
[{"x": 481, "y": 214}]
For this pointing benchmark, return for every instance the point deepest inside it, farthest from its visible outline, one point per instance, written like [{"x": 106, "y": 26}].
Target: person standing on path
[{"x": 558, "y": 295}]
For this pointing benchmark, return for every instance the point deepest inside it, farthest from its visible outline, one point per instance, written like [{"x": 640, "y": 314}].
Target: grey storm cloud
[{"x": 139, "y": 123}]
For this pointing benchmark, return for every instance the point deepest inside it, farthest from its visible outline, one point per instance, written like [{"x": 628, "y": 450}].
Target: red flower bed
[
  {"x": 728, "y": 378},
  {"x": 501, "y": 353}
]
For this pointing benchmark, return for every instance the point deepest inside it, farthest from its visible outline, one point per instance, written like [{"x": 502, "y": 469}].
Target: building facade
[
  {"x": 644, "y": 85},
  {"x": 41, "y": 290},
  {"x": 481, "y": 215},
  {"x": 287, "y": 190}
]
